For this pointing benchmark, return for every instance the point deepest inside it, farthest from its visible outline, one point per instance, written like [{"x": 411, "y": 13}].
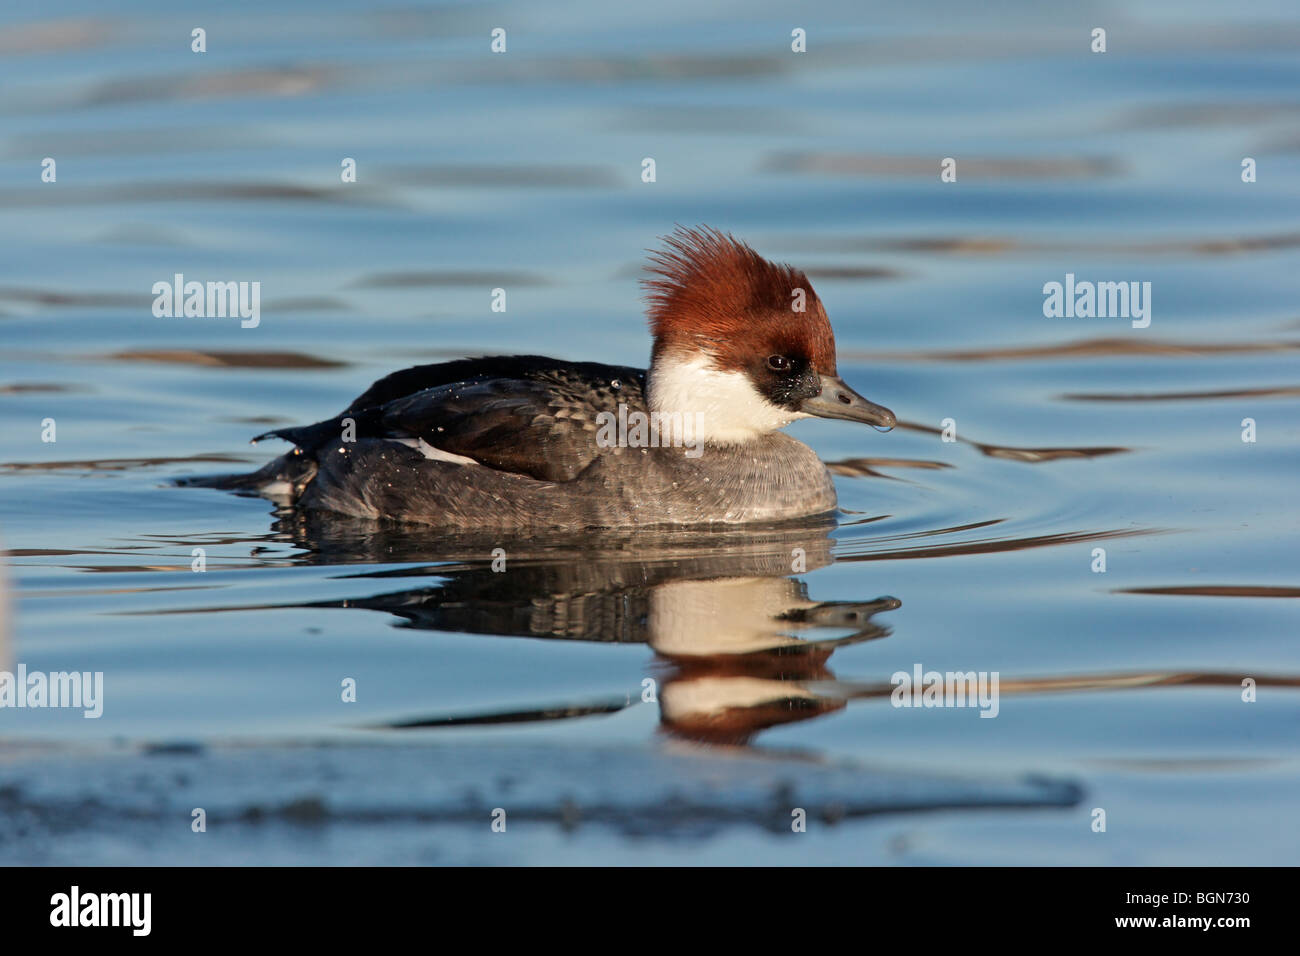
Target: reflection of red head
[{"x": 723, "y": 708}]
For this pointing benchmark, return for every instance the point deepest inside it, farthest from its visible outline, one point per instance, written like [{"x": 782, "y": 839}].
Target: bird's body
[{"x": 528, "y": 442}]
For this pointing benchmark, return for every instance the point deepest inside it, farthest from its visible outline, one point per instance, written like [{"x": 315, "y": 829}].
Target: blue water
[{"x": 523, "y": 171}]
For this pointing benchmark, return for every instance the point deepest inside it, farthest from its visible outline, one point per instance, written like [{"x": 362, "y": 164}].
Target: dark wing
[
  {"x": 408, "y": 381},
  {"x": 523, "y": 414},
  {"x": 508, "y": 424}
]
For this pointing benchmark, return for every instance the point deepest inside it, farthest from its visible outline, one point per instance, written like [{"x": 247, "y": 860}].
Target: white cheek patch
[
  {"x": 434, "y": 454},
  {"x": 730, "y": 409}
]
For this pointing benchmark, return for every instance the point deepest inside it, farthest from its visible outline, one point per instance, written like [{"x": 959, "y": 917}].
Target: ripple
[
  {"x": 1217, "y": 590},
  {"x": 116, "y": 464},
  {"x": 1032, "y": 456},
  {"x": 1086, "y": 348},
  {"x": 1266, "y": 392},
  {"x": 221, "y": 359},
  {"x": 926, "y": 165}
]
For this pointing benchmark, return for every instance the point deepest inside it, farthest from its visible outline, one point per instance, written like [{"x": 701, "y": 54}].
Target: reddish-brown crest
[{"x": 710, "y": 291}]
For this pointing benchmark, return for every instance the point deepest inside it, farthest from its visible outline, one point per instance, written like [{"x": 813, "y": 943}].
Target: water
[{"x": 1120, "y": 690}]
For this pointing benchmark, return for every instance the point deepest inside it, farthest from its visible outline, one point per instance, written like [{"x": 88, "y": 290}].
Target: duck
[{"x": 741, "y": 348}]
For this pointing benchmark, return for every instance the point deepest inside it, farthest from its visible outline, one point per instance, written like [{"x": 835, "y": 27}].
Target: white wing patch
[{"x": 434, "y": 454}]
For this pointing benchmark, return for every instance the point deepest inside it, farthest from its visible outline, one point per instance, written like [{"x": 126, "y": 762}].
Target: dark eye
[{"x": 778, "y": 363}]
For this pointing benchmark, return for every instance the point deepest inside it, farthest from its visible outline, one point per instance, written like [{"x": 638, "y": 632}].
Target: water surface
[{"x": 1120, "y": 690}]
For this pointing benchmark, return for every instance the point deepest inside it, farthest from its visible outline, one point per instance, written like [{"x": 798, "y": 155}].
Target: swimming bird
[{"x": 742, "y": 347}]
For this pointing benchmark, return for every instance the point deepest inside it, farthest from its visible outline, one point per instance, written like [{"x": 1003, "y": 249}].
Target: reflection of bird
[
  {"x": 734, "y": 632},
  {"x": 742, "y": 347},
  {"x": 600, "y": 586}
]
